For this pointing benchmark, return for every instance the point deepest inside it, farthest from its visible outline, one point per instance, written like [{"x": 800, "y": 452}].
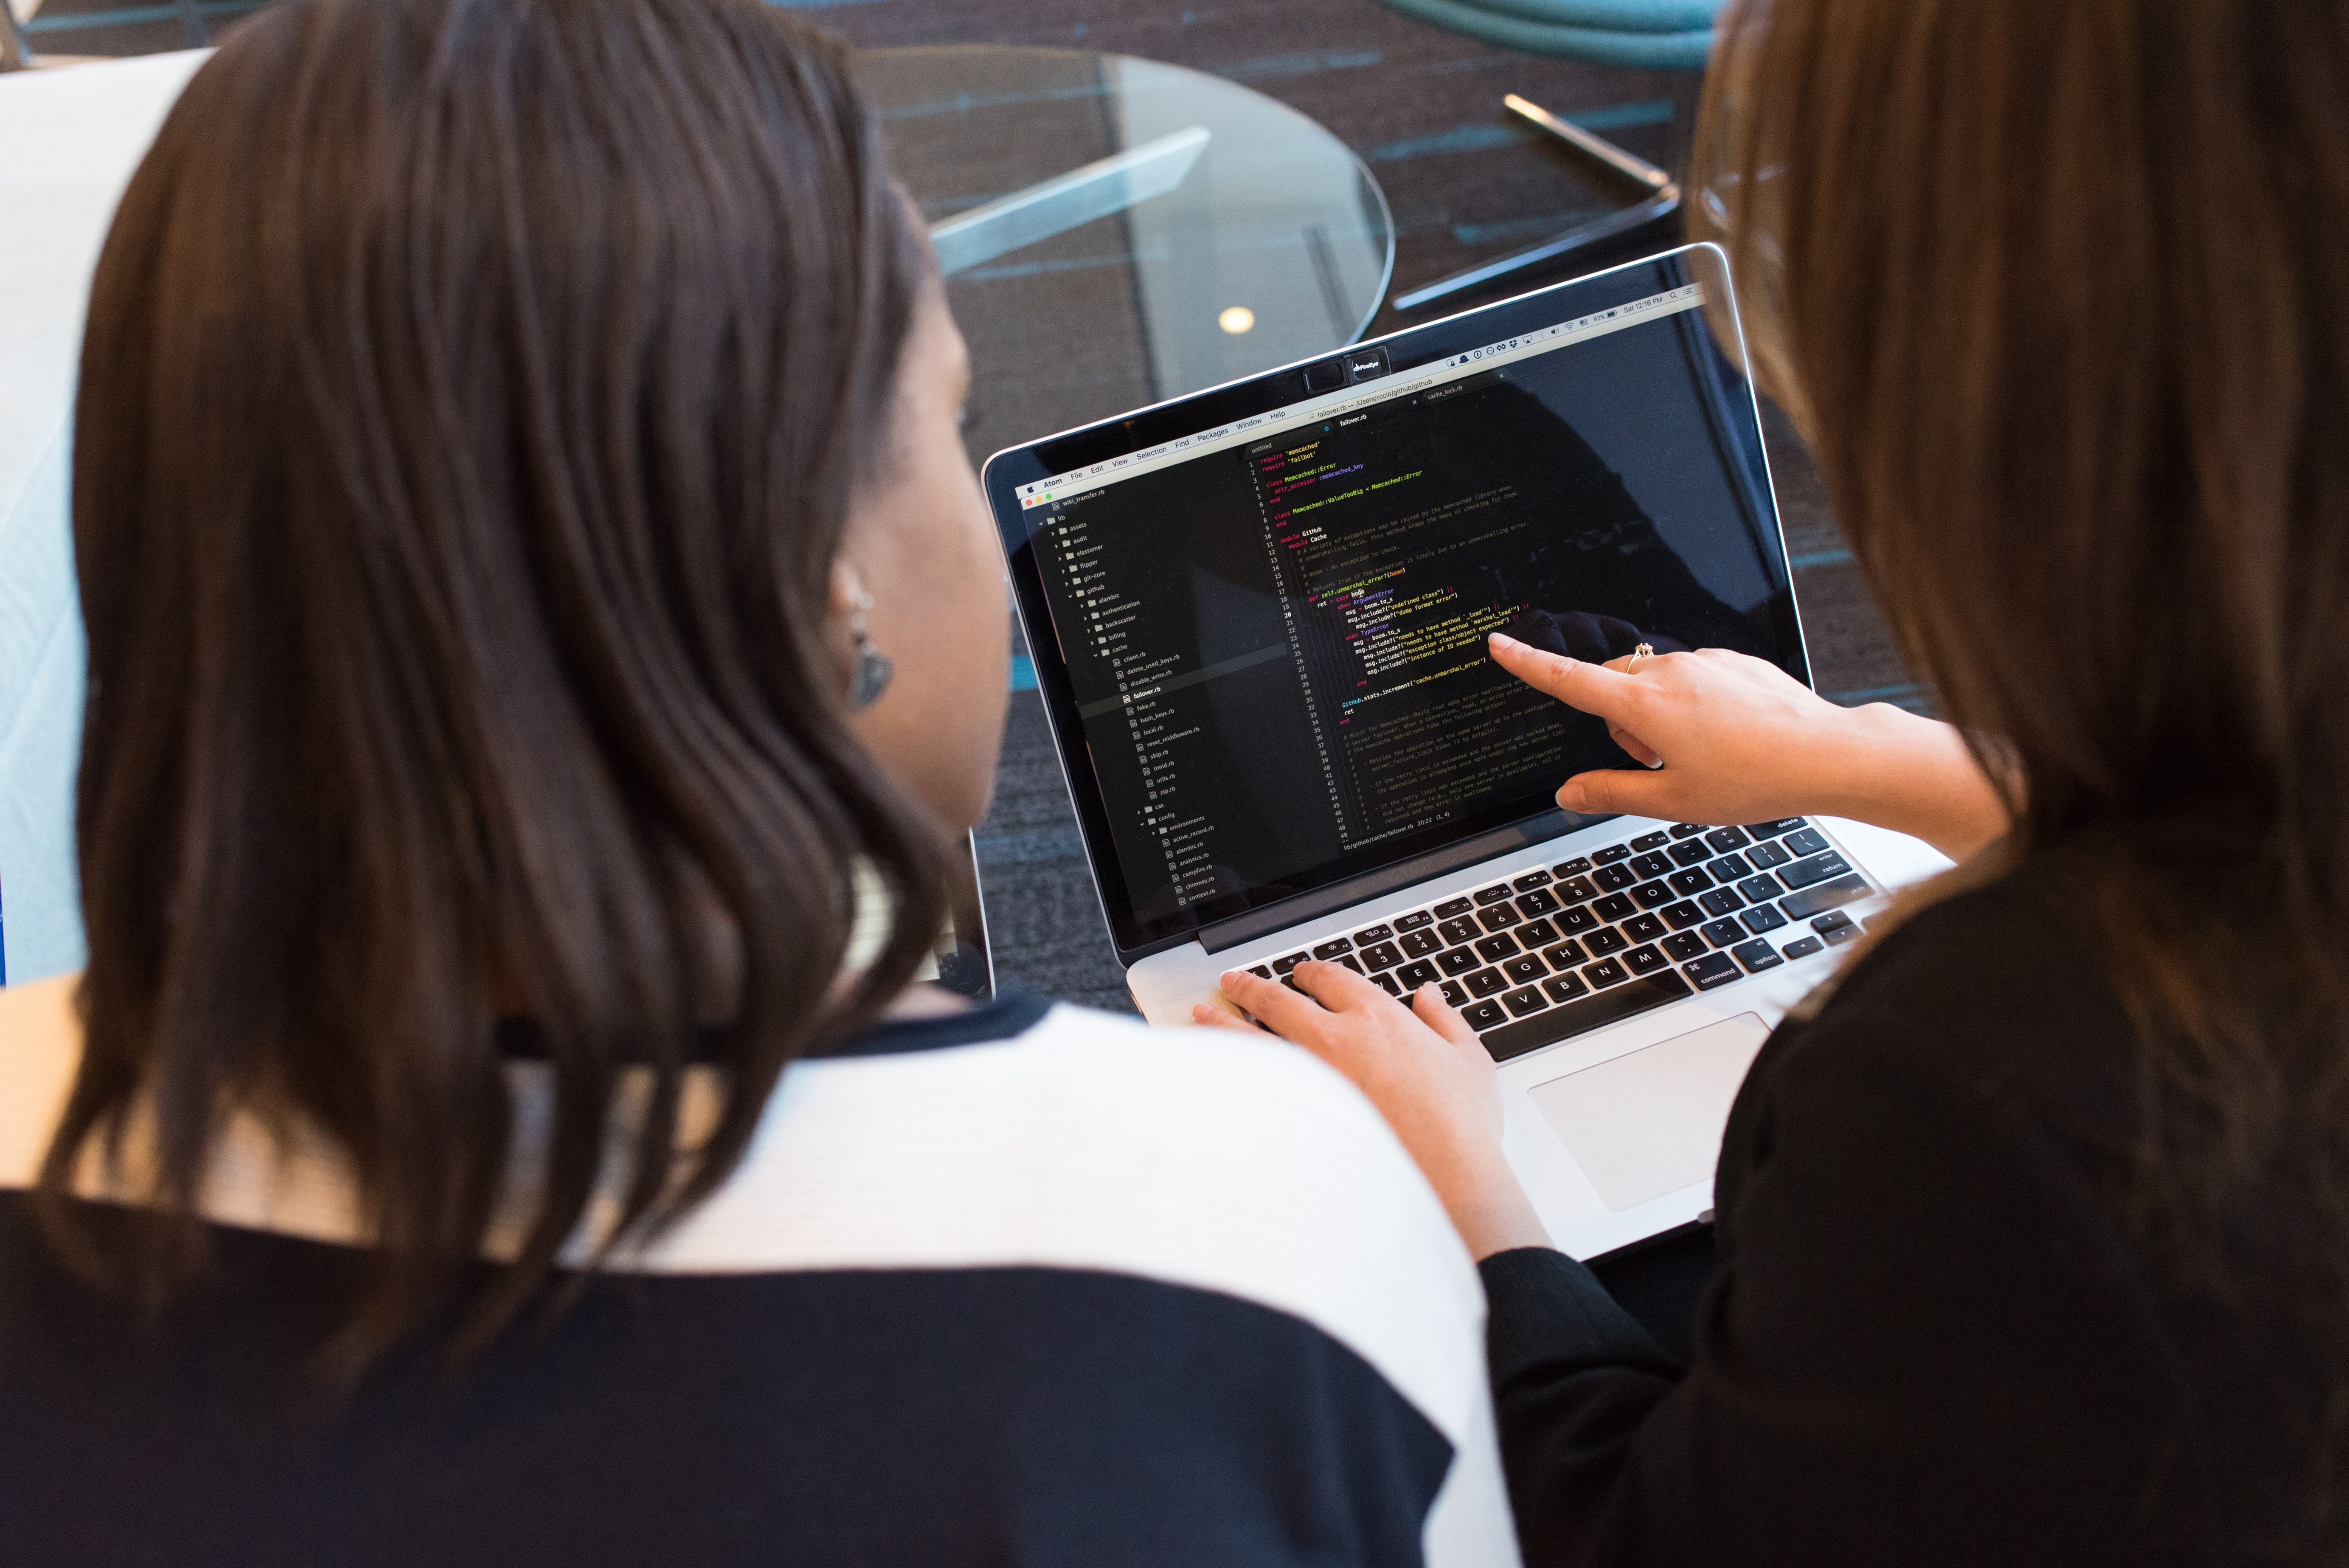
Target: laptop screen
[{"x": 1265, "y": 648}]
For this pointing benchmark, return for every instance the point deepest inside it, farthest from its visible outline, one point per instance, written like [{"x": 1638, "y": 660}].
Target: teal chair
[
  {"x": 1647, "y": 34},
  {"x": 1652, "y": 35}
]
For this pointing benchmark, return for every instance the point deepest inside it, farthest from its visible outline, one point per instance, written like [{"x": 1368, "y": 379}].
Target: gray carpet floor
[{"x": 1421, "y": 107}]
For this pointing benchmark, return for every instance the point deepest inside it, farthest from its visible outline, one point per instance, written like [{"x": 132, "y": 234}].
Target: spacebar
[{"x": 1581, "y": 1017}]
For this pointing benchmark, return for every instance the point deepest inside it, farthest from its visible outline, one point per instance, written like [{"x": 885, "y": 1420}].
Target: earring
[{"x": 874, "y": 668}]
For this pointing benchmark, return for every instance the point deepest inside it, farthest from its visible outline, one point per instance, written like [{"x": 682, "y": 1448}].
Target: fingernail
[
  {"x": 1227, "y": 978},
  {"x": 1659, "y": 762},
  {"x": 1573, "y": 797},
  {"x": 1503, "y": 640}
]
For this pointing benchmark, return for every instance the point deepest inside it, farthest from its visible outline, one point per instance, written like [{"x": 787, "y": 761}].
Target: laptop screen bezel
[{"x": 1409, "y": 349}]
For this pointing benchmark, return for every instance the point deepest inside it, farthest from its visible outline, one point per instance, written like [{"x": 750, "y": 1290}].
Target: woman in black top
[{"x": 2034, "y": 1228}]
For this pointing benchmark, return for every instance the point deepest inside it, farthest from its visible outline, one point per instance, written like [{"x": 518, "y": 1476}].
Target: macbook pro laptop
[{"x": 1258, "y": 618}]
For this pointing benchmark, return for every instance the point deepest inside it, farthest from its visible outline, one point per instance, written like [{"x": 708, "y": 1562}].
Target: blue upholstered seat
[{"x": 1657, "y": 35}]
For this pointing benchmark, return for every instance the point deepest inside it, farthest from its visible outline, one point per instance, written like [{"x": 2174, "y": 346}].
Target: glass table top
[{"x": 1117, "y": 232}]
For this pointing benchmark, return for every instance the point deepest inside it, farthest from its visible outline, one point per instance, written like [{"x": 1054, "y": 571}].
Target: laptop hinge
[{"x": 1321, "y": 901}]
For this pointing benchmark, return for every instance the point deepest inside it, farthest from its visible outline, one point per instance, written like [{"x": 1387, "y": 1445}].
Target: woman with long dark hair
[
  {"x": 2032, "y": 1235},
  {"x": 544, "y": 642}
]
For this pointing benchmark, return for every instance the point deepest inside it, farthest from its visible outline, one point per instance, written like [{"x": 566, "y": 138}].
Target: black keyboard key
[
  {"x": 1579, "y": 918},
  {"x": 1682, "y": 915},
  {"x": 1530, "y": 880},
  {"x": 1605, "y": 973},
  {"x": 1711, "y": 970},
  {"x": 1388, "y": 983},
  {"x": 1415, "y": 922},
  {"x": 1803, "y": 947},
  {"x": 1535, "y": 933},
  {"x": 1459, "y": 930},
  {"x": 1841, "y": 934},
  {"x": 1816, "y": 869},
  {"x": 1643, "y": 928},
  {"x": 1524, "y": 1002},
  {"x": 1723, "y": 933},
  {"x": 1645, "y": 960},
  {"x": 1611, "y": 854},
  {"x": 1611, "y": 879},
  {"x": 1281, "y": 966},
  {"x": 1565, "y": 987},
  {"x": 1350, "y": 962},
  {"x": 1541, "y": 901},
  {"x": 1825, "y": 895},
  {"x": 1764, "y": 856},
  {"x": 1259, "y": 971},
  {"x": 1414, "y": 975},
  {"x": 1687, "y": 830},
  {"x": 1772, "y": 829},
  {"x": 1693, "y": 853},
  {"x": 1576, "y": 1015},
  {"x": 1500, "y": 915},
  {"x": 1761, "y": 918},
  {"x": 1576, "y": 890},
  {"x": 1486, "y": 983},
  {"x": 1689, "y": 882},
  {"x": 1328, "y": 951},
  {"x": 1684, "y": 946},
  {"x": 1483, "y": 1016},
  {"x": 1375, "y": 933},
  {"x": 1650, "y": 866},
  {"x": 1651, "y": 841},
  {"x": 1420, "y": 944},
  {"x": 1457, "y": 961},
  {"x": 1724, "y": 839},
  {"x": 1721, "y": 901},
  {"x": 1565, "y": 955},
  {"x": 1452, "y": 906},
  {"x": 1834, "y": 920},
  {"x": 1652, "y": 895},
  {"x": 1606, "y": 941},
  {"x": 1759, "y": 890},
  {"x": 1614, "y": 906},
  {"x": 1381, "y": 955},
  {"x": 1486, "y": 895},
  {"x": 1733, "y": 868},
  {"x": 1526, "y": 969},
  {"x": 1808, "y": 841},
  {"x": 1494, "y": 948},
  {"x": 1290, "y": 981},
  {"x": 1573, "y": 868},
  {"x": 1756, "y": 956},
  {"x": 1453, "y": 993}
]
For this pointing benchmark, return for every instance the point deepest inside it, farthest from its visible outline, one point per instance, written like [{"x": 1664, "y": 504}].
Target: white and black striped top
[{"x": 1027, "y": 1285}]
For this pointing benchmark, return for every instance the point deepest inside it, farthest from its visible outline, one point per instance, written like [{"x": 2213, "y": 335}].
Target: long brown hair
[
  {"x": 2057, "y": 292},
  {"x": 473, "y": 398}
]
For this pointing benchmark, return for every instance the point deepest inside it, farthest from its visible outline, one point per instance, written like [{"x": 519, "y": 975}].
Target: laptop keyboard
[{"x": 1552, "y": 954}]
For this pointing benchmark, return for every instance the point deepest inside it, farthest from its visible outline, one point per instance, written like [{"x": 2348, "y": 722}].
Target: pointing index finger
[{"x": 1593, "y": 688}]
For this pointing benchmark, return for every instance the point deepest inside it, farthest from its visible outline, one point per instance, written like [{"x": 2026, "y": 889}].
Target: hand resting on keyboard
[{"x": 1421, "y": 1065}]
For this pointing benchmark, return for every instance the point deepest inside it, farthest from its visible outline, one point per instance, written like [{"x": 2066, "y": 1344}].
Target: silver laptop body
[{"x": 1257, "y": 617}]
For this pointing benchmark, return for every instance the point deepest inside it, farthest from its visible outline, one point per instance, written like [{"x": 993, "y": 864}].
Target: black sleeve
[{"x": 1921, "y": 1347}]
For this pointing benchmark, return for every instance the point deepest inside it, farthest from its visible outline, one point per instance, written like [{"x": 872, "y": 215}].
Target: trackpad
[{"x": 1648, "y": 1122}]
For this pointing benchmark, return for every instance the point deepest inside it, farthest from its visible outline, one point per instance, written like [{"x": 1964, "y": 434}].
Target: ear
[{"x": 846, "y": 588}]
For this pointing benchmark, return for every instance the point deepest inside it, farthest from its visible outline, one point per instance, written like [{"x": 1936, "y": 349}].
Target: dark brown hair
[
  {"x": 473, "y": 401},
  {"x": 2055, "y": 292}
]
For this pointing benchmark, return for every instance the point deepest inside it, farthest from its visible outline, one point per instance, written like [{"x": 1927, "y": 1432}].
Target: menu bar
[{"x": 1452, "y": 367}]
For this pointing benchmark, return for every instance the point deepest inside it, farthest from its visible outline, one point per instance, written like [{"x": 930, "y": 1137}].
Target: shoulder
[
  {"x": 1976, "y": 1064},
  {"x": 1199, "y": 1158},
  {"x": 1995, "y": 996},
  {"x": 40, "y": 1050}
]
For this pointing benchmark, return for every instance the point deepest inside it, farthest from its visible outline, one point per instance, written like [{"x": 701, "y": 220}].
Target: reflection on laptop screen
[{"x": 1274, "y": 631}]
